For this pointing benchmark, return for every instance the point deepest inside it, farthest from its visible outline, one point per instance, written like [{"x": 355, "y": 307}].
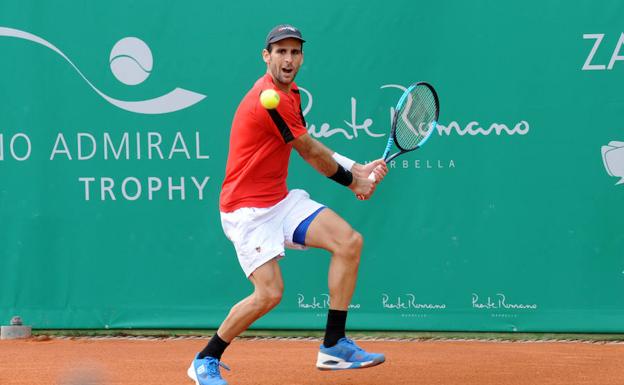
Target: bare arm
[
  {"x": 316, "y": 153},
  {"x": 320, "y": 157}
]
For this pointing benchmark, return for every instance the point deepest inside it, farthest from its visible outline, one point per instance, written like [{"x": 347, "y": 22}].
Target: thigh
[
  {"x": 328, "y": 230},
  {"x": 268, "y": 276},
  {"x": 296, "y": 222}
]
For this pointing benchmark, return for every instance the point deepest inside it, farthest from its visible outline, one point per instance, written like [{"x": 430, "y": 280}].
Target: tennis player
[{"x": 261, "y": 217}]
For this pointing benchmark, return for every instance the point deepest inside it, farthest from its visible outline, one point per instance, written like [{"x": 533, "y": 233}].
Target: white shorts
[{"x": 261, "y": 234}]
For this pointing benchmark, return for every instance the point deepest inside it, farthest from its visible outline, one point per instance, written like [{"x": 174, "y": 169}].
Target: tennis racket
[{"x": 414, "y": 121}]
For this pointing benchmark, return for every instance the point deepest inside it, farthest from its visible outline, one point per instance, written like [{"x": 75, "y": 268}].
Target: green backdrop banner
[{"x": 114, "y": 124}]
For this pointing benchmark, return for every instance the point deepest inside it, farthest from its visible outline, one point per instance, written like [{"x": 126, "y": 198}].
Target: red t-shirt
[{"x": 260, "y": 146}]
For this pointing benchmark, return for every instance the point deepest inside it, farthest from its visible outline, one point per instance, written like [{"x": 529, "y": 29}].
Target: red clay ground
[{"x": 270, "y": 362}]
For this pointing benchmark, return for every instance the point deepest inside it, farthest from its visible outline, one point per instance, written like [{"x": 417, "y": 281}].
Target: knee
[
  {"x": 355, "y": 242},
  {"x": 267, "y": 298},
  {"x": 351, "y": 246},
  {"x": 274, "y": 297}
]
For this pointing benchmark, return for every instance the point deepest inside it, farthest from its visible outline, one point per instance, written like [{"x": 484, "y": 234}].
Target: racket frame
[{"x": 395, "y": 117}]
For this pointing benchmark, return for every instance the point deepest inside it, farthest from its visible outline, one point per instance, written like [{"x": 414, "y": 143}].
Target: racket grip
[{"x": 371, "y": 177}]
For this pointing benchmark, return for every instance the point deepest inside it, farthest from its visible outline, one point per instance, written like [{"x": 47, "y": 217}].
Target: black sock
[
  {"x": 335, "y": 330},
  {"x": 215, "y": 348}
]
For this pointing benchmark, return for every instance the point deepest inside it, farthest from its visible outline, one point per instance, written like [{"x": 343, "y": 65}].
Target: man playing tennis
[{"x": 261, "y": 217}]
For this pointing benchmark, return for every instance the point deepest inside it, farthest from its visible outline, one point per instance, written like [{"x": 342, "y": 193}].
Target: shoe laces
[
  {"x": 212, "y": 366},
  {"x": 350, "y": 342}
]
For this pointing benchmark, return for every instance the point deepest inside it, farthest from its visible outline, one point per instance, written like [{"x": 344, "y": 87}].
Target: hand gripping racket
[{"x": 414, "y": 121}]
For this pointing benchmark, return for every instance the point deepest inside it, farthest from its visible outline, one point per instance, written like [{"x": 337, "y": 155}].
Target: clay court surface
[{"x": 117, "y": 361}]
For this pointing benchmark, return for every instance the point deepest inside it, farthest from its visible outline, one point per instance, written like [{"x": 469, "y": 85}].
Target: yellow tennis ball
[{"x": 269, "y": 99}]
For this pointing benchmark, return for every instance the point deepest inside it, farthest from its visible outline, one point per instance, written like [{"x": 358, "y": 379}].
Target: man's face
[{"x": 283, "y": 61}]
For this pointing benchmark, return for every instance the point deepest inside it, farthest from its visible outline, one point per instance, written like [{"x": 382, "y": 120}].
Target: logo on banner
[
  {"x": 500, "y": 305},
  {"x": 319, "y": 303},
  {"x": 131, "y": 62},
  {"x": 613, "y": 159},
  {"x": 358, "y": 126},
  {"x": 408, "y": 306},
  {"x": 590, "y": 63}
]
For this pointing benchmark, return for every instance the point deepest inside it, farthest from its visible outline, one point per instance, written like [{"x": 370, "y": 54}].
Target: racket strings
[{"x": 415, "y": 118}]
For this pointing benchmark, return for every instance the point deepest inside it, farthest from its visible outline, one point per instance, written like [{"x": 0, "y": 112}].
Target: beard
[{"x": 285, "y": 78}]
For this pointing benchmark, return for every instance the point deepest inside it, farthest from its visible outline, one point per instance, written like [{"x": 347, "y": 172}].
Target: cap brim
[{"x": 287, "y": 36}]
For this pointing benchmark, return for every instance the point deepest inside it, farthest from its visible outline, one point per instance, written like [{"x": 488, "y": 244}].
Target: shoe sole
[
  {"x": 327, "y": 362},
  {"x": 191, "y": 373}
]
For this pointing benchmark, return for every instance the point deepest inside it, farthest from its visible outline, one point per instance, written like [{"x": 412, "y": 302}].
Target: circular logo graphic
[{"x": 131, "y": 61}]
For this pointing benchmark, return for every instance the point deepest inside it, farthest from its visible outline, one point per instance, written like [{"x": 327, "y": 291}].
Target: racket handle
[{"x": 371, "y": 177}]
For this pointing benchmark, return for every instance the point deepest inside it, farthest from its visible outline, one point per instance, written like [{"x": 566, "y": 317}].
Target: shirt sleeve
[{"x": 287, "y": 119}]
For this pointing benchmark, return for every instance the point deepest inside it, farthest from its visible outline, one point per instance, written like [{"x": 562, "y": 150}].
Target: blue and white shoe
[
  {"x": 205, "y": 371},
  {"x": 346, "y": 355}
]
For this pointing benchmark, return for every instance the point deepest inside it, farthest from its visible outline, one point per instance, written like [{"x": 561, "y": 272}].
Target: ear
[{"x": 266, "y": 56}]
